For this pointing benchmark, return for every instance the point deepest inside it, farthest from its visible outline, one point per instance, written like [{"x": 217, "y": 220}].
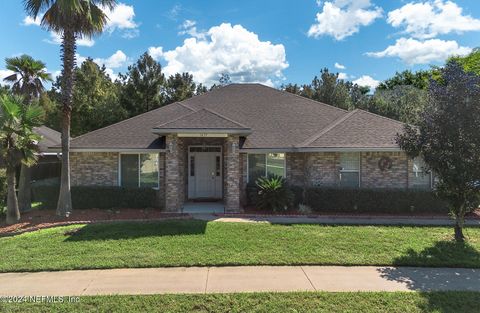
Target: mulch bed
[
  {"x": 252, "y": 212},
  {"x": 38, "y": 219}
]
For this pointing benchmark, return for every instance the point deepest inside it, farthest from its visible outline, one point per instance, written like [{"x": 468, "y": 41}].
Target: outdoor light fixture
[
  {"x": 234, "y": 146},
  {"x": 171, "y": 146}
]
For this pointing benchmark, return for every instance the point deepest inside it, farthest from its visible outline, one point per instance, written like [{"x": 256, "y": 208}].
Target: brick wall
[
  {"x": 322, "y": 169},
  {"x": 373, "y": 177},
  {"x": 94, "y": 168},
  {"x": 232, "y": 174}
]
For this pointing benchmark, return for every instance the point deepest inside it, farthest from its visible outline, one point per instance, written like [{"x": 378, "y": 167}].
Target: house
[
  {"x": 49, "y": 164},
  {"x": 210, "y": 146}
]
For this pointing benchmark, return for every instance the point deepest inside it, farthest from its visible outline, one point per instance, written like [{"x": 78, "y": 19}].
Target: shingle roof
[
  {"x": 277, "y": 119},
  {"x": 359, "y": 129},
  {"x": 205, "y": 119},
  {"x": 50, "y": 137}
]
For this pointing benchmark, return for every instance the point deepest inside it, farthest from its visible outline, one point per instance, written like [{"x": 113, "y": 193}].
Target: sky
[{"x": 272, "y": 42}]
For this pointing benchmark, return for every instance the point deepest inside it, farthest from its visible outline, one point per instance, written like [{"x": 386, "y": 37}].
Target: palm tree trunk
[
  {"x": 64, "y": 206},
  {"x": 24, "y": 189},
  {"x": 13, "y": 214}
]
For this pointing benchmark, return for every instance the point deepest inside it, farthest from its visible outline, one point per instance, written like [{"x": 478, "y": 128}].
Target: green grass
[
  {"x": 442, "y": 302},
  {"x": 198, "y": 243}
]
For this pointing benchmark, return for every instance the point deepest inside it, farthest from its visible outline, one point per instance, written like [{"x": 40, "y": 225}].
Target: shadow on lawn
[
  {"x": 134, "y": 230},
  {"x": 443, "y": 253}
]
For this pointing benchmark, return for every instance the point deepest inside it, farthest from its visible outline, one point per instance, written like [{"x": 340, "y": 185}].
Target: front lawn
[
  {"x": 198, "y": 243},
  {"x": 441, "y": 302}
]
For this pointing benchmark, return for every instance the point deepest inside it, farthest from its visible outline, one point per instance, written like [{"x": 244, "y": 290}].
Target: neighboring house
[
  {"x": 210, "y": 146},
  {"x": 49, "y": 163}
]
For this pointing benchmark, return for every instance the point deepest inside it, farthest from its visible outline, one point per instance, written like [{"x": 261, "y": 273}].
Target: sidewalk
[
  {"x": 237, "y": 279},
  {"x": 337, "y": 220}
]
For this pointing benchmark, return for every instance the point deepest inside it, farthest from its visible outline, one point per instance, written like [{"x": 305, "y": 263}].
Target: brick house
[{"x": 210, "y": 146}]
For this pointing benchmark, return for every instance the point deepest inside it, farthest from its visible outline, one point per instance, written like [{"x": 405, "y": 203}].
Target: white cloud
[
  {"x": 429, "y": 19},
  {"x": 28, "y": 20},
  {"x": 121, "y": 17},
  {"x": 3, "y": 74},
  {"x": 155, "y": 52},
  {"x": 189, "y": 28},
  {"x": 368, "y": 81},
  {"x": 343, "y": 18},
  {"x": 342, "y": 75},
  {"x": 56, "y": 39},
  {"x": 412, "y": 51},
  {"x": 227, "y": 49},
  {"x": 340, "y": 66},
  {"x": 116, "y": 60},
  {"x": 80, "y": 59}
]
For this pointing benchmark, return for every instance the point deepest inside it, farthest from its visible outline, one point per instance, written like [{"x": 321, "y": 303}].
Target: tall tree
[
  {"x": 180, "y": 87},
  {"x": 28, "y": 78},
  {"x": 448, "y": 140},
  {"x": 417, "y": 79},
  {"x": 471, "y": 62},
  {"x": 72, "y": 19},
  {"x": 95, "y": 96},
  {"x": 17, "y": 143},
  {"x": 403, "y": 102},
  {"x": 143, "y": 84}
]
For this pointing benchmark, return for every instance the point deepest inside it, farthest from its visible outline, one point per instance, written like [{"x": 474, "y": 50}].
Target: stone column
[
  {"x": 232, "y": 174},
  {"x": 172, "y": 174}
]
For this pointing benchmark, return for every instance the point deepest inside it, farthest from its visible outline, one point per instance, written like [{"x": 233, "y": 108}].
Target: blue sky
[{"x": 268, "y": 41}]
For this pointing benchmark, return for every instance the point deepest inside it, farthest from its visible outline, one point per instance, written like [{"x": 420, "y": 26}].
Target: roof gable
[{"x": 275, "y": 120}]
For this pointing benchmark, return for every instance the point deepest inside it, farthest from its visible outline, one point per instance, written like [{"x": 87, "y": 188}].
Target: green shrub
[
  {"x": 273, "y": 194},
  {"x": 88, "y": 197},
  {"x": 374, "y": 201}
]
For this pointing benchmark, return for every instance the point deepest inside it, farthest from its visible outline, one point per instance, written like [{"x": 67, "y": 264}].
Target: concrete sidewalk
[
  {"x": 337, "y": 220},
  {"x": 238, "y": 279}
]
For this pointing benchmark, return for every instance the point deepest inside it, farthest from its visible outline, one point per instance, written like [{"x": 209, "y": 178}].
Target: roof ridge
[
  {"x": 224, "y": 117},
  {"x": 305, "y": 98},
  {"x": 335, "y": 123},
  {"x": 178, "y": 118},
  {"x": 381, "y": 116}
]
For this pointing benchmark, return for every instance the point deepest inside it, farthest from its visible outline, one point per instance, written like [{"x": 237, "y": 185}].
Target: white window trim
[
  {"x": 266, "y": 165},
  {"x": 139, "y": 170},
  {"x": 422, "y": 171},
  {"x": 359, "y": 171}
]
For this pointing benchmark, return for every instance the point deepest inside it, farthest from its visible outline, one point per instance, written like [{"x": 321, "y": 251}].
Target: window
[
  {"x": 420, "y": 178},
  {"x": 139, "y": 170},
  {"x": 265, "y": 165},
  {"x": 349, "y": 170}
]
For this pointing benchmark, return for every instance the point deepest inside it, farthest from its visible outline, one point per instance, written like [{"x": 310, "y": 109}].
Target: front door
[{"x": 205, "y": 173}]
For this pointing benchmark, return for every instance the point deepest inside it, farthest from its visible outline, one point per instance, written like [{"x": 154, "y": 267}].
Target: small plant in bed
[{"x": 273, "y": 194}]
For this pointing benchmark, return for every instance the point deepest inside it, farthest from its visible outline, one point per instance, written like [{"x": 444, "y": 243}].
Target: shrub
[
  {"x": 273, "y": 194},
  {"x": 89, "y": 197},
  {"x": 374, "y": 201}
]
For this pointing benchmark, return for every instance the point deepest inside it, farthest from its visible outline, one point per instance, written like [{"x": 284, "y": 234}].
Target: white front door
[{"x": 205, "y": 173}]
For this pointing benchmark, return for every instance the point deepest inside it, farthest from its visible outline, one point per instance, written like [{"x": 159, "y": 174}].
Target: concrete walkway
[
  {"x": 238, "y": 279},
  {"x": 337, "y": 220}
]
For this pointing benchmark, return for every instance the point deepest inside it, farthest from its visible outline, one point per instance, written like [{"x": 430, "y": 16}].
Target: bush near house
[
  {"x": 374, "y": 201},
  {"x": 100, "y": 197}
]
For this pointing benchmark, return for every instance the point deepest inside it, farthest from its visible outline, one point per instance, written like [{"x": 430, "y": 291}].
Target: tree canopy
[{"x": 448, "y": 140}]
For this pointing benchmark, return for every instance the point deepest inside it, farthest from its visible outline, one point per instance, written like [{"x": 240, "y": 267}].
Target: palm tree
[
  {"x": 27, "y": 79},
  {"x": 28, "y": 76},
  {"x": 17, "y": 143},
  {"x": 72, "y": 19}
]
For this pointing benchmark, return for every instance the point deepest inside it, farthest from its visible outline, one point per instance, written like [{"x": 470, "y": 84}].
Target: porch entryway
[{"x": 205, "y": 172}]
